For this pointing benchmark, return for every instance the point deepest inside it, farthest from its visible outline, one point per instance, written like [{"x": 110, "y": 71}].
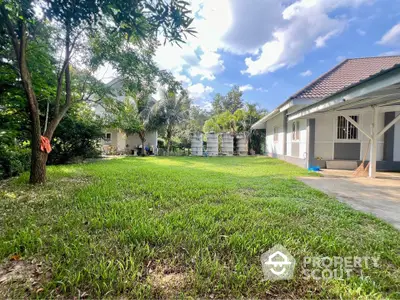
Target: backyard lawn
[{"x": 160, "y": 227}]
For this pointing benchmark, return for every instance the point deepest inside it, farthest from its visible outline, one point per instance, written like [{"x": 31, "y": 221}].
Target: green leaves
[{"x": 231, "y": 113}]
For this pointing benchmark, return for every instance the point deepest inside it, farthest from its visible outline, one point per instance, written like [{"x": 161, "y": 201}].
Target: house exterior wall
[
  {"x": 297, "y": 148},
  {"x": 325, "y": 140},
  {"x": 133, "y": 141},
  {"x": 124, "y": 144},
  {"x": 296, "y": 151},
  {"x": 326, "y": 135},
  {"x": 274, "y": 148},
  {"x": 117, "y": 141}
]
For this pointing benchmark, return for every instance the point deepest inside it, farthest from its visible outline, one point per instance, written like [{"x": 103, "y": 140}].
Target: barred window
[
  {"x": 276, "y": 134},
  {"x": 296, "y": 131},
  {"x": 346, "y": 130}
]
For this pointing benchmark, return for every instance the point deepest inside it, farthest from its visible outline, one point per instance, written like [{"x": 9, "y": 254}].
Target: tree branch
[{"x": 68, "y": 53}]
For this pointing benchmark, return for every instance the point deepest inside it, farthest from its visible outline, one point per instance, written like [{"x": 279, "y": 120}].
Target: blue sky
[{"x": 272, "y": 48}]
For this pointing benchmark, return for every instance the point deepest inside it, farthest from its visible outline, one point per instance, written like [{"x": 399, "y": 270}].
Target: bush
[
  {"x": 14, "y": 160},
  {"x": 75, "y": 139}
]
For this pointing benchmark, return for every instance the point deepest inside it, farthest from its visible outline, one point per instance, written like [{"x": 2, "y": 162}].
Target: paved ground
[{"x": 380, "y": 196}]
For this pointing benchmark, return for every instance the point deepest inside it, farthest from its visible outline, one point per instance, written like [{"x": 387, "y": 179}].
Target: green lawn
[{"x": 167, "y": 227}]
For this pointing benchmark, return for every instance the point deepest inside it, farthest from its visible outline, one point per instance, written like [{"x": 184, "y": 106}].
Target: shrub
[
  {"x": 75, "y": 139},
  {"x": 14, "y": 160}
]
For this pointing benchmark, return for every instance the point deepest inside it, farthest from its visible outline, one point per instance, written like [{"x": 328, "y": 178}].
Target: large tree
[
  {"x": 230, "y": 102},
  {"x": 116, "y": 31}
]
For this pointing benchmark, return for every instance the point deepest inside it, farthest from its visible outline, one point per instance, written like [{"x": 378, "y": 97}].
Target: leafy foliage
[
  {"x": 14, "y": 160},
  {"x": 77, "y": 137},
  {"x": 230, "y": 102}
]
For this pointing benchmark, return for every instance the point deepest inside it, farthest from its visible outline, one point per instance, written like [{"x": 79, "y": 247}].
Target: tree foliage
[
  {"x": 171, "y": 112},
  {"x": 77, "y": 137},
  {"x": 230, "y": 102},
  {"x": 231, "y": 113}
]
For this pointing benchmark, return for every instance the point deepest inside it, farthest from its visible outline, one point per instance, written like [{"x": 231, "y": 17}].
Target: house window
[
  {"x": 276, "y": 134},
  {"x": 346, "y": 130},
  {"x": 296, "y": 131},
  {"x": 107, "y": 137}
]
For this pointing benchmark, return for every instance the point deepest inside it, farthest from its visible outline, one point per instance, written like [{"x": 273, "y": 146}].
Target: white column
[{"x": 374, "y": 137}]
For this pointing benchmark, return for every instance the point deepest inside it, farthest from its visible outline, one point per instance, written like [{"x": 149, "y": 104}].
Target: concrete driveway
[{"x": 380, "y": 196}]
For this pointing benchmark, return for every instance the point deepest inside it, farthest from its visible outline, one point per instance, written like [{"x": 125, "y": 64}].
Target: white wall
[
  {"x": 326, "y": 136},
  {"x": 133, "y": 141},
  {"x": 277, "y": 148},
  {"x": 326, "y": 133},
  {"x": 274, "y": 148},
  {"x": 119, "y": 140},
  {"x": 302, "y": 142}
]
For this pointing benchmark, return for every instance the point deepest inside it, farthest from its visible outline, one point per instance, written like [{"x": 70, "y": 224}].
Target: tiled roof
[{"x": 345, "y": 74}]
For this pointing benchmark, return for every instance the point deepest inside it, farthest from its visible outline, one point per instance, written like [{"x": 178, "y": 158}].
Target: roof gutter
[{"x": 260, "y": 122}]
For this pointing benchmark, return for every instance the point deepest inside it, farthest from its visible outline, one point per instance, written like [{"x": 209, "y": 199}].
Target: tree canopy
[{"x": 230, "y": 113}]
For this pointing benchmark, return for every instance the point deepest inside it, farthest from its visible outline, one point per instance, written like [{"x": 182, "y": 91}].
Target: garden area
[{"x": 165, "y": 227}]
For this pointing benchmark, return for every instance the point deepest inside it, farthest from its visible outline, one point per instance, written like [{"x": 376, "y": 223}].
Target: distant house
[
  {"x": 115, "y": 141},
  {"x": 348, "y": 113}
]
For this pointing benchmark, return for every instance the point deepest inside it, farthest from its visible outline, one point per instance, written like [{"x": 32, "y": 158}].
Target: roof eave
[{"x": 259, "y": 124}]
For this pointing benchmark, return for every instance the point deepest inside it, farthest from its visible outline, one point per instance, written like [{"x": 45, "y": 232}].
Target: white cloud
[
  {"x": 212, "y": 19},
  {"x": 392, "y": 37},
  {"x": 199, "y": 91},
  {"x": 361, "y": 32},
  {"x": 304, "y": 24},
  {"x": 260, "y": 89},
  {"x": 306, "y": 73},
  {"x": 274, "y": 34},
  {"x": 253, "y": 24},
  {"x": 321, "y": 40},
  {"x": 247, "y": 87},
  {"x": 183, "y": 79},
  {"x": 210, "y": 64}
]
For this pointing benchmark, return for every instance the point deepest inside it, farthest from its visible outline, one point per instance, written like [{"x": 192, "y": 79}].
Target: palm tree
[{"x": 170, "y": 112}]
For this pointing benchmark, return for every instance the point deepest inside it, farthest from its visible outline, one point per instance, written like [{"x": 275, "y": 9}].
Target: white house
[
  {"x": 350, "y": 113},
  {"x": 116, "y": 141}
]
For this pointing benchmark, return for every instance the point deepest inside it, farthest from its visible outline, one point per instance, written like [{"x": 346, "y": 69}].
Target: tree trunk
[
  {"x": 169, "y": 135},
  {"x": 38, "y": 166},
  {"x": 168, "y": 146},
  {"x": 143, "y": 150},
  {"x": 143, "y": 139}
]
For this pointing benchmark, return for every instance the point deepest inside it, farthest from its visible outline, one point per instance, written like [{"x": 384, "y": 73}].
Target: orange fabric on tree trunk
[{"x": 45, "y": 144}]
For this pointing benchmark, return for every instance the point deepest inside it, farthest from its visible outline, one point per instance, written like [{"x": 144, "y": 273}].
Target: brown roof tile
[{"x": 345, "y": 74}]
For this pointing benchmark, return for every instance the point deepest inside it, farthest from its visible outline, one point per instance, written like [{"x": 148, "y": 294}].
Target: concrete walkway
[{"x": 380, "y": 196}]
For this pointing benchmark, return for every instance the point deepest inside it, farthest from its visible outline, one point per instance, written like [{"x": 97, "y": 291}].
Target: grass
[{"x": 183, "y": 227}]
